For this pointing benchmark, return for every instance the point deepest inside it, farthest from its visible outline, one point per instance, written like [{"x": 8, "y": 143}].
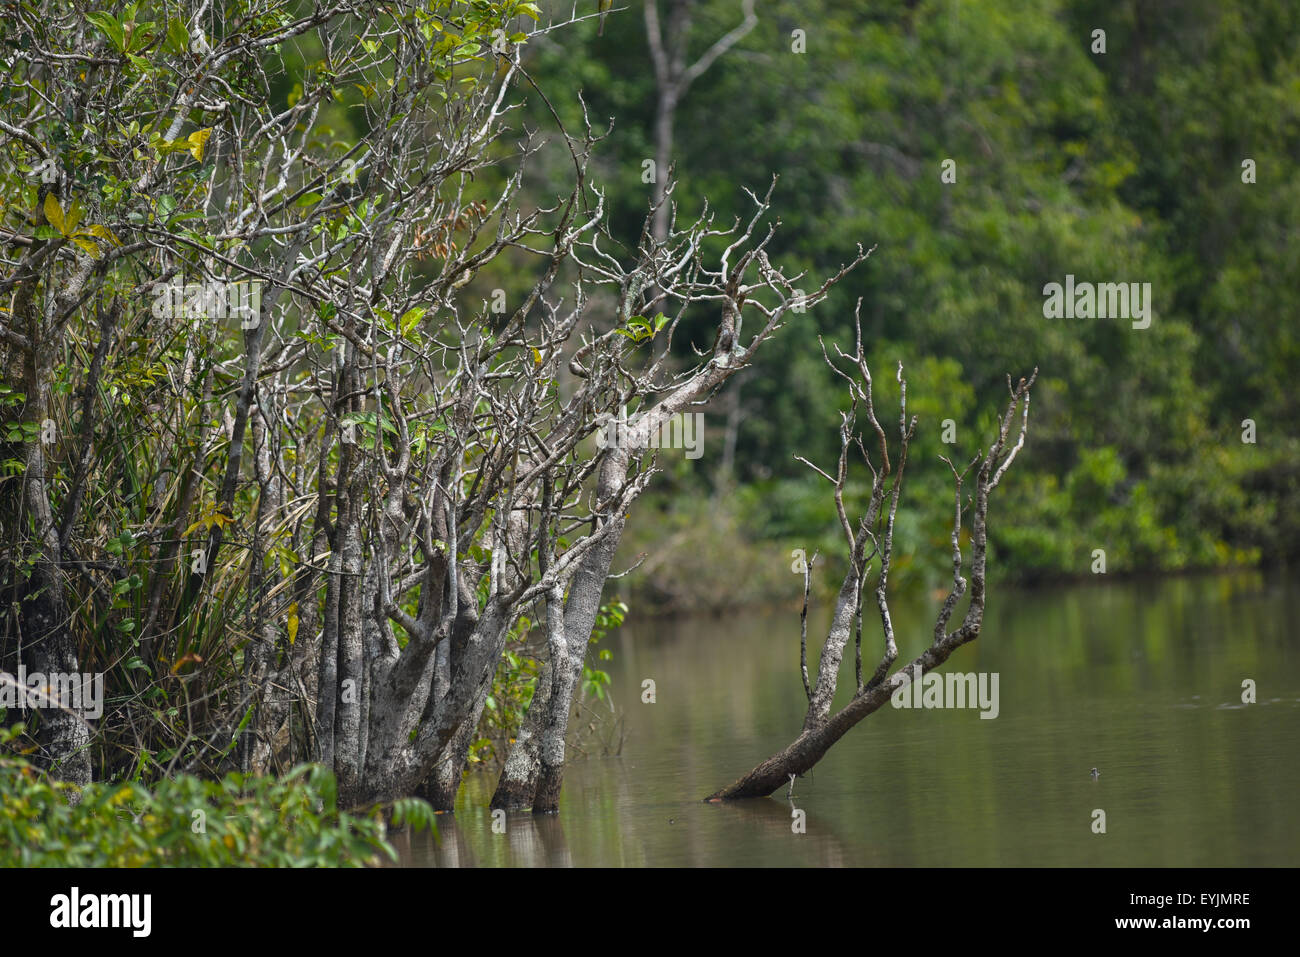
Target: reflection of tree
[
  {"x": 535, "y": 840},
  {"x": 529, "y": 841},
  {"x": 449, "y": 847},
  {"x": 773, "y": 818}
]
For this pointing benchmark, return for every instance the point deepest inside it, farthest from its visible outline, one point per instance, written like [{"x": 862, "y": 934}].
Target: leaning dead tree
[
  {"x": 870, "y": 548},
  {"x": 509, "y": 507}
]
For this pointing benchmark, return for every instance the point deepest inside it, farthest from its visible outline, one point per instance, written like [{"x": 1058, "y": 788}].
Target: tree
[
  {"x": 674, "y": 76},
  {"x": 1063, "y": 165},
  {"x": 821, "y": 728},
  {"x": 317, "y": 472}
]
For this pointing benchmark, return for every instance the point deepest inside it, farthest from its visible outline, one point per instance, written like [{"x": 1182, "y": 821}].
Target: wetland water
[{"x": 1142, "y": 680}]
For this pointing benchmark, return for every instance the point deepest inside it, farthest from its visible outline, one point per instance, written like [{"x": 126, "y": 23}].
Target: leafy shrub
[{"x": 238, "y": 821}]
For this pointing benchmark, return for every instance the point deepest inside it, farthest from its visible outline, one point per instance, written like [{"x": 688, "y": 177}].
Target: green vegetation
[
  {"x": 1117, "y": 166},
  {"x": 178, "y": 497},
  {"x": 183, "y": 821},
  {"x": 140, "y": 390}
]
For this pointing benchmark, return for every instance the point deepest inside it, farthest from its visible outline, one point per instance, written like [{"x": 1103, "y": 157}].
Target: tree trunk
[
  {"x": 813, "y": 742},
  {"x": 665, "y": 114},
  {"x": 822, "y": 729},
  {"x": 50, "y": 647},
  {"x": 518, "y": 782},
  {"x": 535, "y": 776},
  {"x": 64, "y": 736},
  {"x": 442, "y": 786}
]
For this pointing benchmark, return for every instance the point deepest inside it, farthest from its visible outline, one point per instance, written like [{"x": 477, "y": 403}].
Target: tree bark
[
  {"x": 49, "y": 647},
  {"x": 821, "y": 729},
  {"x": 816, "y": 739}
]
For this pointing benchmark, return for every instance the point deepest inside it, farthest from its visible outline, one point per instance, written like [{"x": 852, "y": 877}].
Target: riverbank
[{"x": 697, "y": 555}]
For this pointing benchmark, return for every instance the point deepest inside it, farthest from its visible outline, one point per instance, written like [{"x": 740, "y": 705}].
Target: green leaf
[
  {"x": 111, "y": 28},
  {"x": 243, "y": 723},
  {"x": 178, "y": 41},
  {"x": 410, "y": 319}
]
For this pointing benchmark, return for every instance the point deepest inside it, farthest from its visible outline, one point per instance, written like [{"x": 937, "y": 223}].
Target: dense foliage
[
  {"x": 183, "y": 821},
  {"x": 270, "y": 464},
  {"x": 1117, "y": 166}
]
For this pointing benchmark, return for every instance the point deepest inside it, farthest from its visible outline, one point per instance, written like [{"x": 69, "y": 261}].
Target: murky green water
[{"x": 1142, "y": 680}]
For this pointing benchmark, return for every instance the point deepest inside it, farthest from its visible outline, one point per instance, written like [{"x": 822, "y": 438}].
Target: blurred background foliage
[{"x": 1123, "y": 166}]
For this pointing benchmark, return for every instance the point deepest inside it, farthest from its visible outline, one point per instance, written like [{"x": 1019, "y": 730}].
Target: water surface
[{"x": 1142, "y": 680}]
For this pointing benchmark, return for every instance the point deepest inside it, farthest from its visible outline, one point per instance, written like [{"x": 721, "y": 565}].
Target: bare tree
[
  {"x": 674, "y": 76},
  {"x": 310, "y": 533},
  {"x": 872, "y": 542}
]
